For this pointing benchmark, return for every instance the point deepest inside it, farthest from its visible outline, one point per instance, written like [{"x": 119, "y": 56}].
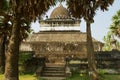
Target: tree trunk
[
  {"x": 11, "y": 67},
  {"x": 90, "y": 54},
  {"x": 2, "y": 54}
]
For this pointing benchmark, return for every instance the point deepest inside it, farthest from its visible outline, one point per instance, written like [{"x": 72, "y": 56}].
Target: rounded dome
[{"x": 60, "y": 12}]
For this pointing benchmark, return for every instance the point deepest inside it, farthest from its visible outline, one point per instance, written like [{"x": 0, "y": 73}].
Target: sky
[{"x": 99, "y": 28}]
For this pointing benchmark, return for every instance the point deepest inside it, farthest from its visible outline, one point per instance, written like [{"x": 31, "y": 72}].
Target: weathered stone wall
[
  {"x": 59, "y": 36},
  {"x": 59, "y": 50},
  {"x": 25, "y": 46},
  {"x": 54, "y": 51},
  {"x": 58, "y": 45}
]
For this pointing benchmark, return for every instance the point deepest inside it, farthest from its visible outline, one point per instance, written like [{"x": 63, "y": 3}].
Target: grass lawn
[
  {"x": 1, "y": 77},
  {"x": 78, "y": 77},
  {"x": 112, "y": 77},
  {"x": 85, "y": 77},
  {"x": 22, "y": 77},
  {"x": 74, "y": 77}
]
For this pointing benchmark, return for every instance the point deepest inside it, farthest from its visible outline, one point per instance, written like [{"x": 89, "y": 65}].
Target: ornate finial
[{"x": 60, "y": 5}]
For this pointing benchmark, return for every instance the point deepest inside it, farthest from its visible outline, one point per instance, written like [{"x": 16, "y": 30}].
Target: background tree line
[{"x": 112, "y": 39}]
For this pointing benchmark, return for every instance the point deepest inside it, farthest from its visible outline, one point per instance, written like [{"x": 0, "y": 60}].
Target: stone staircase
[{"x": 53, "y": 72}]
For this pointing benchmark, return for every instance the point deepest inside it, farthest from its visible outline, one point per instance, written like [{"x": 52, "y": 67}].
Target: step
[
  {"x": 54, "y": 68},
  {"x": 44, "y": 73},
  {"x": 53, "y": 72},
  {"x": 47, "y": 71},
  {"x": 55, "y": 65},
  {"x": 53, "y": 75},
  {"x": 53, "y": 78}
]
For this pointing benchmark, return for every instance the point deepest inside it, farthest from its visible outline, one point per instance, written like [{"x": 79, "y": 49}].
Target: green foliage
[
  {"x": 30, "y": 70},
  {"x": 24, "y": 57},
  {"x": 4, "y": 5},
  {"x": 107, "y": 40},
  {"x": 115, "y": 25},
  {"x": 101, "y": 73},
  {"x": 28, "y": 64}
]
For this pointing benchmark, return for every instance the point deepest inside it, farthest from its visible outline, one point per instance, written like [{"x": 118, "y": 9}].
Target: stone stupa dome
[{"x": 60, "y": 12}]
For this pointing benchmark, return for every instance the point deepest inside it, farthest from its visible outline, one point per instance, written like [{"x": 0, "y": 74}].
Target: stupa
[{"x": 59, "y": 37}]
